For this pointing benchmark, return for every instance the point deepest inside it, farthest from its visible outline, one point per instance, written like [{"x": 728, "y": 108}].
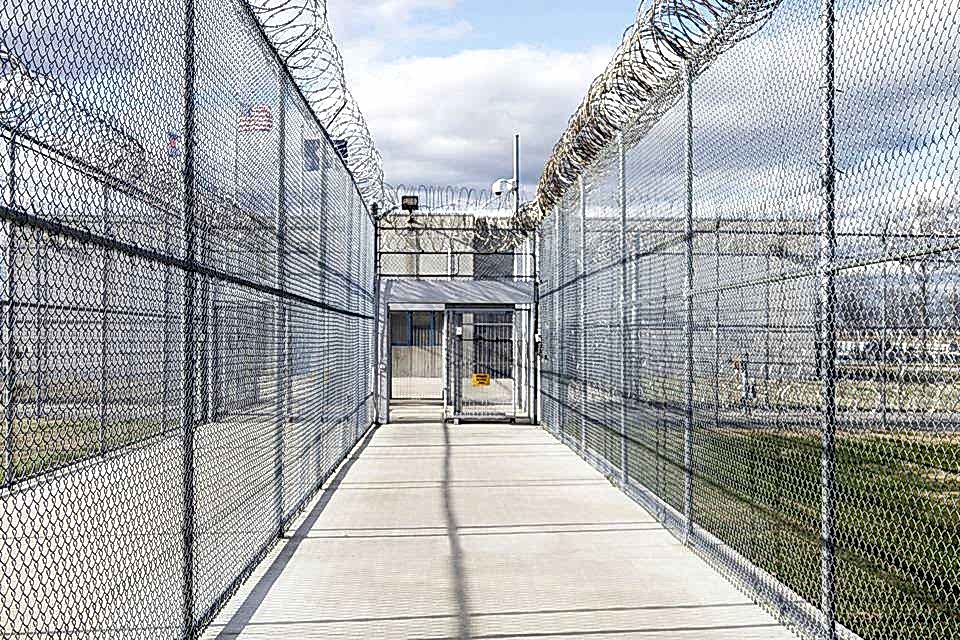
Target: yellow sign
[{"x": 481, "y": 379}]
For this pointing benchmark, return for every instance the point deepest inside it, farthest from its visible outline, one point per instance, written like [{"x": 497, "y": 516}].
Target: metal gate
[
  {"x": 416, "y": 355},
  {"x": 482, "y": 364}
]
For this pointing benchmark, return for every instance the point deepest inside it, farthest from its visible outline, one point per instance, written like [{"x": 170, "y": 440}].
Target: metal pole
[
  {"x": 535, "y": 337},
  {"x": 204, "y": 329},
  {"x": 767, "y": 322},
  {"x": 189, "y": 299},
  {"x": 376, "y": 320},
  {"x": 216, "y": 381},
  {"x": 348, "y": 329},
  {"x": 884, "y": 335},
  {"x": 322, "y": 289},
  {"x": 9, "y": 321},
  {"x": 42, "y": 289},
  {"x": 636, "y": 319},
  {"x": 280, "y": 330},
  {"x": 583, "y": 315},
  {"x": 450, "y": 260},
  {"x": 623, "y": 306},
  {"x": 288, "y": 365},
  {"x": 167, "y": 295},
  {"x": 516, "y": 173},
  {"x": 716, "y": 327},
  {"x": 317, "y": 243},
  {"x": 104, "y": 324},
  {"x": 558, "y": 321},
  {"x": 828, "y": 333},
  {"x": 688, "y": 321}
]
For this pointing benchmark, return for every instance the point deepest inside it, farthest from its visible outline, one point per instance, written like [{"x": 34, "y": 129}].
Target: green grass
[
  {"x": 757, "y": 487},
  {"x": 898, "y": 533},
  {"x": 40, "y": 446}
]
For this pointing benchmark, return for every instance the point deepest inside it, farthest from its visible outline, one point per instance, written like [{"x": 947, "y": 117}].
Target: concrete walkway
[{"x": 482, "y": 531}]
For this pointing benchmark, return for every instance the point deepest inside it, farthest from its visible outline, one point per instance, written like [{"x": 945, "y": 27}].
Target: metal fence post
[
  {"x": 884, "y": 327},
  {"x": 204, "y": 329},
  {"x": 104, "y": 324},
  {"x": 348, "y": 328},
  {"x": 9, "y": 320},
  {"x": 376, "y": 321},
  {"x": 167, "y": 295},
  {"x": 716, "y": 326},
  {"x": 41, "y": 290},
  {"x": 280, "y": 328},
  {"x": 216, "y": 377},
  {"x": 688, "y": 320},
  {"x": 558, "y": 320},
  {"x": 535, "y": 338},
  {"x": 321, "y": 285},
  {"x": 323, "y": 222},
  {"x": 622, "y": 177},
  {"x": 636, "y": 319},
  {"x": 767, "y": 327},
  {"x": 583, "y": 314},
  {"x": 828, "y": 332},
  {"x": 189, "y": 299},
  {"x": 288, "y": 364}
]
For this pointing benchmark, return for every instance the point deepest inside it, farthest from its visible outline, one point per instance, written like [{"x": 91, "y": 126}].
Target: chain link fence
[
  {"x": 187, "y": 312},
  {"x": 751, "y": 315}
]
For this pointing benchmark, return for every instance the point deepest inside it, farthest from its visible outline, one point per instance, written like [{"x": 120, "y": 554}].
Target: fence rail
[
  {"x": 187, "y": 301},
  {"x": 750, "y": 310}
]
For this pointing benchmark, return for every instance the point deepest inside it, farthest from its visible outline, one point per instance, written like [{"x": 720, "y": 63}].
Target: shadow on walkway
[
  {"x": 453, "y": 536},
  {"x": 258, "y": 594}
]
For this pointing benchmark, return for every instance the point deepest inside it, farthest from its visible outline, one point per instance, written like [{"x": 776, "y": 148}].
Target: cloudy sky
[{"x": 445, "y": 83}]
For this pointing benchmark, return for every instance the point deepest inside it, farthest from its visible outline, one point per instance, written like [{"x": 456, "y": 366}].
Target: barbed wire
[
  {"x": 301, "y": 32},
  {"x": 439, "y": 198},
  {"x": 645, "y": 69},
  {"x": 484, "y": 218}
]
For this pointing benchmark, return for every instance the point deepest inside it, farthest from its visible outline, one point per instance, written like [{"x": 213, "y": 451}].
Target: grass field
[
  {"x": 898, "y": 533},
  {"x": 43, "y": 445},
  {"x": 757, "y": 487}
]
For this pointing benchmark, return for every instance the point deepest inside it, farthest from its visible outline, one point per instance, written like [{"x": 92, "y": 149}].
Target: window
[
  {"x": 399, "y": 328},
  {"x": 415, "y": 328}
]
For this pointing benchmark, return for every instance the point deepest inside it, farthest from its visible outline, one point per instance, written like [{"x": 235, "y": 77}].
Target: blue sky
[
  {"x": 445, "y": 83},
  {"x": 560, "y": 24}
]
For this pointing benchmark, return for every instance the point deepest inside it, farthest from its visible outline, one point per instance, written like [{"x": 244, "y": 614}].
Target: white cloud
[
  {"x": 450, "y": 119},
  {"x": 373, "y": 30}
]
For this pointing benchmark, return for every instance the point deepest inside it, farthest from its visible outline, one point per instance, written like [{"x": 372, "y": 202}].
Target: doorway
[
  {"x": 416, "y": 356},
  {"x": 482, "y": 366}
]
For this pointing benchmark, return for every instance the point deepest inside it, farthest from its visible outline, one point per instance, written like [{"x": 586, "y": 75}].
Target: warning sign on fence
[{"x": 481, "y": 379}]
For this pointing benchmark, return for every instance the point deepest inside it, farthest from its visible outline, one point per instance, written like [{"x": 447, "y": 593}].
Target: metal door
[
  {"x": 481, "y": 368},
  {"x": 416, "y": 355}
]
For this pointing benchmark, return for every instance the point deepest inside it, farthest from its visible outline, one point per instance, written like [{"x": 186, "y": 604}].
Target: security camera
[{"x": 502, "y": 186}]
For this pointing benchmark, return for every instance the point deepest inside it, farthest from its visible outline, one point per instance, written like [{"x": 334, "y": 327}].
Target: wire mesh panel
[
  {"x": 482, "y": 370},
  {"x": 786, "y": 320},
  {"x": 568, "y": 291},
  {"x": 601, "y": 322},
  {"x": 187, "y": 313},
  {"x": 756, "y": 438},
  {"x": 549, "y": 325},
  {"x": 898, "y": 345},
  {"x": 655, "y": 222}
]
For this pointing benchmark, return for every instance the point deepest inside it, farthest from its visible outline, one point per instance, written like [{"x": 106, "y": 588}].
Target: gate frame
[
  {"x": 388, "y": 348},
  {"x": 451, "y": 397}
]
